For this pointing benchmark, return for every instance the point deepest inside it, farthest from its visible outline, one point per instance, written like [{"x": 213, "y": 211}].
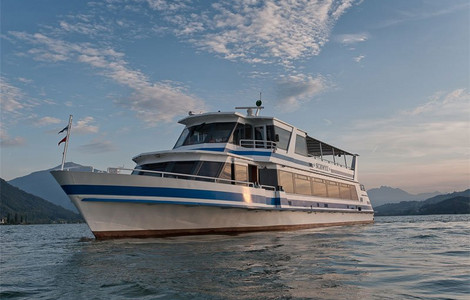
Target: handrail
[
  {"x": 257, "y": 144},
  {"x": 193, "y": 177}
]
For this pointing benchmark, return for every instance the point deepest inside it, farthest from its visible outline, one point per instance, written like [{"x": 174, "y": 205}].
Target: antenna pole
[{"x": 64, "y": 154}]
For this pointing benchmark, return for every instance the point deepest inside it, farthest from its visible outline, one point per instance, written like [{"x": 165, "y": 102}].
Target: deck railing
[
  {"x": 258, "y": 144},
  {"x": 163, "y": 174}
]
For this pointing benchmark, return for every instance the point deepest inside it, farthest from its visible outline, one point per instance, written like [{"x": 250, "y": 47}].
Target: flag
[
  {"x": 66, "y": 128},
  {"x": 62, "y": 140}
]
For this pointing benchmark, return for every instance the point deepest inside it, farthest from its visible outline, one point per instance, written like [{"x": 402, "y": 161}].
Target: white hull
[{"x": 116, "y": 205}]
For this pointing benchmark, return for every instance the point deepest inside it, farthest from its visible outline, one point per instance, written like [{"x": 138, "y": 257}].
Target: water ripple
[{"x": 421, "y": 257}]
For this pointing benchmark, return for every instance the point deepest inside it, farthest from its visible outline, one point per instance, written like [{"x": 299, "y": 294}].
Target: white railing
[
  {"x": 195, "y": 177},
  {"x": 258, "y": 144}
]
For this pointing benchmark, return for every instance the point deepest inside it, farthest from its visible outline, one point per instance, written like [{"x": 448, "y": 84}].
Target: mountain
[
  {"x": 453, "y": 203},
  {"x": 43, "y": 185},
  {"x": 385, "y": 194},
  {"x": 17, "y": 206}
]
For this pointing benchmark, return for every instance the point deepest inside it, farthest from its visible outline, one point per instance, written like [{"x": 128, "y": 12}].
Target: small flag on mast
[
  {"x": 66, "y": 128},
  {"x": 62, "y": 140}
]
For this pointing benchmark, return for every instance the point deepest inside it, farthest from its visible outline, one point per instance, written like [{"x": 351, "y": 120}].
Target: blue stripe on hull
[
  {"x": 165, "y": 192},
  {"x": 241, "y": 200}
]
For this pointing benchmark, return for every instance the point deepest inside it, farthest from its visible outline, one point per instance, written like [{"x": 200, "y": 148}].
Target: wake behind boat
[{"x": 227, "y": 173}]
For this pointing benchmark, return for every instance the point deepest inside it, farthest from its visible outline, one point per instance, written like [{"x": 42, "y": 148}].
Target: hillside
[
  {"x": 386, "y": 194},
  {"x": 454, "y": 203},
  {"x": 17, "y": 206},
  {"x": 43, "y": 185}
]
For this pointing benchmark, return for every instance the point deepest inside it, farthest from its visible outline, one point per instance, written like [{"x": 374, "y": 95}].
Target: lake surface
[{"x": 412, "y": 257}]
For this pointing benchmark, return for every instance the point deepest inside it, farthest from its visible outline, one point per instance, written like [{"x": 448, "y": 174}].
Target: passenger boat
[{"x": 227, "y": 173}]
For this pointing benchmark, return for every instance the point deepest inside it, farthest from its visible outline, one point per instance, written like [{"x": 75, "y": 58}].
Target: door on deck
[{"x": 253, "y": 174}]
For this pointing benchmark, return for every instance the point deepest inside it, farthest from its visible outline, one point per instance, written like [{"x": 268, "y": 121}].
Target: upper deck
[{"x": 262, "y": 139}]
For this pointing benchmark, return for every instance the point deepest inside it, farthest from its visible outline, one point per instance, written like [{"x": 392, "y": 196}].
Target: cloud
[
  {"x": 349, "y": 39},
  {"x": 7, "y": 141},
  {"x": 436, "y": 130},
  {"x": 258, "y": 31},
  {"x": 46, "y": 121},
  {"x": 359, "y": 58},
  {"x": 293, "y": 90},
  {"x": 425, "y": 146},
  {"x": 97, "y": 146},
  {"x": 84, "y": 126},
  {"x": 153, "y": 102},
  {"x": 11, "y": 97}
]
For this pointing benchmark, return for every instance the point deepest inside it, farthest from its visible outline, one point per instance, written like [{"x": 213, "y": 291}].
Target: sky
[{"x": 389, "y": 80}]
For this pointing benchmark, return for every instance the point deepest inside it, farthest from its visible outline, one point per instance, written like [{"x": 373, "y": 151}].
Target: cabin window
[
  {"x": 205, "y": 133},
  {"x": 181, "y": 167},
  {"x": 333, "y": 189},
  {"x": 226, "y": 172},
  {"x": 302, "y": 185},
  {"x": 344, "y": 191},
  {"x": 301, "y": 145},
  {"x": 319, "y": 187},
  {"x": 284, "y": 138},
  {"x": 286, "y": 181},
  {"x": 353, "y": 192},
  {"x": 209, "y": 169},
  {"x": 241, "y": 173},
  {"x": 160, "y": 167}
]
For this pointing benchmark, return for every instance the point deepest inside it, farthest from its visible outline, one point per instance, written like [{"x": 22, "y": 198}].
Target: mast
[{"x": 64, "y": 154}]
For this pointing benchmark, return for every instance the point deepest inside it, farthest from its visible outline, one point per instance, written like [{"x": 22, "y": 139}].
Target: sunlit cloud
[
  {"x": 437, "y": 131},
  {"x": 257, "y": 31}
]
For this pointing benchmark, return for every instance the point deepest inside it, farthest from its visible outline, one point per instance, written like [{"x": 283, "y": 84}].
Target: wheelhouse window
[
  {"x": 284, "y": 137},
  {"x": 205, "y": 133},
  {"x": 242, "y": 132},
  {"x": 301, "y": 145}
]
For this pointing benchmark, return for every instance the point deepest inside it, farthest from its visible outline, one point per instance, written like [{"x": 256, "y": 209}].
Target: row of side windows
[{"x": 311, "y": 186}]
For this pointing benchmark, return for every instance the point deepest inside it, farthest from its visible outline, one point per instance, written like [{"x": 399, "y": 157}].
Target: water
[{"x": 415, "y": 257}]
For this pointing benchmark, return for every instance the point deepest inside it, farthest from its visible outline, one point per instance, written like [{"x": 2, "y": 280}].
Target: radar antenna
[{"x": 249, "y": 109}]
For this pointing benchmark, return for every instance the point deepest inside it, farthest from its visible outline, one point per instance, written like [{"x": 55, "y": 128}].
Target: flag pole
[{"x": 66, "y": 142}]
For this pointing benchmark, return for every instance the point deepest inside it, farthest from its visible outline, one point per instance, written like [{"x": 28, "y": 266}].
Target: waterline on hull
[{"x": 103, "y": 235}]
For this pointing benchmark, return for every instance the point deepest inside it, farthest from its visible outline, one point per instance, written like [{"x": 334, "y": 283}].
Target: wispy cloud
[
  {"x": 359, "y": 58},
  {"x": 97, "y": 146},
  {"x": 353, "y": 38},
  {"x": 12, "y": 98},
  {"x": 152, "y": 102},
  {"x": 424, "y": 146},
  {"x": 294, "y": 90},
  {"x": 46, "y": 121},
  {"x": 424, "y": 12},
  {"x": 8, "y": 141},
  {"x": 85, "y": 126},
  {"x": 259, "y": 31},
  {"x": 438, "y": 129}
]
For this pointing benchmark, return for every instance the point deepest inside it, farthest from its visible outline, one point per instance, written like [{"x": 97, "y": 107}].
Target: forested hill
[
  {"x": 455, "y": 203},
  {"x": 19, "y": 207}
]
